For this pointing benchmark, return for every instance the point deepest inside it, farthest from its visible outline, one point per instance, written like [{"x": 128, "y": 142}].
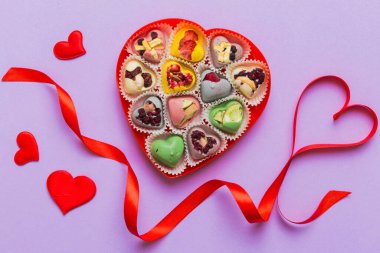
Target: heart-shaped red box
[{"x": 255, "y": 111}]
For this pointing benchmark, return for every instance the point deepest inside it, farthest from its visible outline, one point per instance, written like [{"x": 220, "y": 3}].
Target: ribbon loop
[
  {"x": 313, "y": 83},
  {"x": 331, "y": 197}
]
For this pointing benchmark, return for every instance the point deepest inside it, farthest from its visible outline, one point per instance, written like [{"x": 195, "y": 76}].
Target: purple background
[{"x": 300, "y": 41}]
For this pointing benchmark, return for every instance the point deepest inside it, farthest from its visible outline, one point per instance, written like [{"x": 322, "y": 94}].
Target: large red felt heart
[
  {"x": 68, "y": 192},
  {"x": 128, "y": 104},
  {"x": 28, "y": 149},
  {"x": 70, "y": 49}
]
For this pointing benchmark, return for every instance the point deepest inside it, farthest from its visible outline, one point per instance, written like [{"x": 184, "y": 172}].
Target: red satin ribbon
[{"x": 242, "y": 198}]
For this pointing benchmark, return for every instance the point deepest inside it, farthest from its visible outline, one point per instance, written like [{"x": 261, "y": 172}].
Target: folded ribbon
[{"x": 242, "y": 198}]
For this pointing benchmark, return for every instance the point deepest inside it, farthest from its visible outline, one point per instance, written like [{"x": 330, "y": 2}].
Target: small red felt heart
[
  {"x": 68, "y": 192},
  {"x": 28, "y": 149},
  {"x": 73, "y": 48}
]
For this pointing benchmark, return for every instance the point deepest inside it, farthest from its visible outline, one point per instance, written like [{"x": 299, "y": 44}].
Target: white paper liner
[
  {"x": 244, "y": 125},
  {"x": 165, "y": 28},
  {"x": 261, "y": 92},
  {"x": 233, "y": 38},
  {"x": 136, "y": 103},
  {"x": 198, "y": 119},
  {"x": 198, "y": 28},
  {"x": 190, "y": 161},
  {"x": 181, "y": 62},
  {"x": 181, "y": 166},
  {"x": 130, "y": 97}
]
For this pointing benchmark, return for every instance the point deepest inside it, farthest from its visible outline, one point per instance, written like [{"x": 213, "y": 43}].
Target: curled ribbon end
[
  {"x": 337, "y": 115},
  {"x": 4, "y": 78},
  {"x": 11, "y": 75},
  {"x": 340, "y": 194},
  {"x": 329, "y": 200}
]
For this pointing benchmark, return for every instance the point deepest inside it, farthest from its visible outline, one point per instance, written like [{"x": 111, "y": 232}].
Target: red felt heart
[
  {"x": 68, "y": 192},
  {"x": 73, "y": 48},
  {"x": 255, "y": 111},
  {"x": 28, "y": 149}
]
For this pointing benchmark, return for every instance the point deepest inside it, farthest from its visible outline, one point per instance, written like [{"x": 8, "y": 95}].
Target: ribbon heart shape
[
  {"x": 28, "y": 151},
  {"x": 252, "y": 213},
  {"x": 70, "y": 49},
  {"x": 332, "y": 196},
  {"x": 68, "y": 192}
]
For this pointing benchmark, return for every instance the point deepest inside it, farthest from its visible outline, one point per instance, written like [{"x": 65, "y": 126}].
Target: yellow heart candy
[
  {"x": 172, "y": 73},
  {"x": 181, "y": 49}
]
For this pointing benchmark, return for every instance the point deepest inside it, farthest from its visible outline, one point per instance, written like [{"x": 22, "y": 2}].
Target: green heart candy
[
  {"x": 169, "y": 151},
  {"x": 227, "y": 116}
]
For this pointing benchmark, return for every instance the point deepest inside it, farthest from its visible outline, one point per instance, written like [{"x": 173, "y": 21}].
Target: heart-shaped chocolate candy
[
  {"x": 168, "y": 151},
  {"x": 224, "y": 52},
  {"x": 151, "y": 46},
  {"x": 248, "y": 78},
  {"x": 202, "y": 142},
  {"x": 149, "y": 114},
  {"x": 137, "y": 78},
  {"x": 177, "y": 77},
  {"x": 227, "y": 116},
  {"x": 214, "y": 87},
  {"x": 182, "y": 110},
  {"x": 188, "y": 44}
]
